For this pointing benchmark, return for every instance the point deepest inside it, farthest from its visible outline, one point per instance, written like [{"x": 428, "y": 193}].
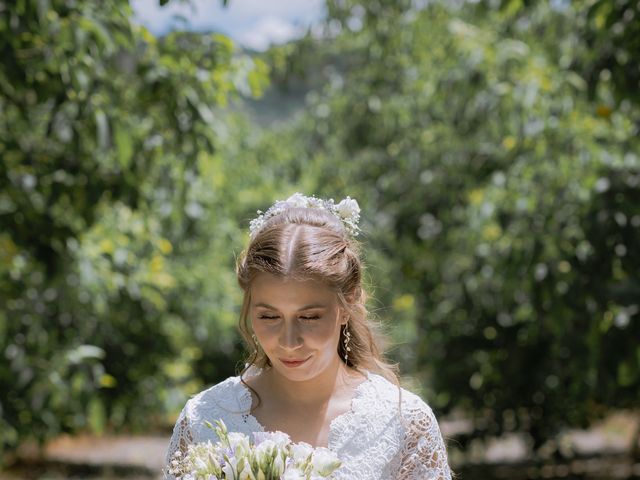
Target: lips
[{"x": 293, "y": 362}]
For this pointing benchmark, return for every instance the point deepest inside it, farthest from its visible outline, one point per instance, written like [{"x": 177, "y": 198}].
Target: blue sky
[{"x": 252, "y": 23}]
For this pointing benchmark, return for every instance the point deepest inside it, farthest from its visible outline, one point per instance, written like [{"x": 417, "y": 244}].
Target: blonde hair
[{"x": 312, "y": 244}]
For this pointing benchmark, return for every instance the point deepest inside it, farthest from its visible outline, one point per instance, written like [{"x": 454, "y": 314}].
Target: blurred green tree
[
  {"x": 609, "y": 29},
  {"x": 504, "y": 200},
  {"x": 108, "y": 140}
]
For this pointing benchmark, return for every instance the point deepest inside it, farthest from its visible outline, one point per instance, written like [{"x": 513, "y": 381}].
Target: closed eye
[{"x": 269, "y": 317}]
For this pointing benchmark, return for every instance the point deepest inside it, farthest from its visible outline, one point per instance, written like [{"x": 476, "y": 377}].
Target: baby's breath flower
[{"x": 348, "y": 211}]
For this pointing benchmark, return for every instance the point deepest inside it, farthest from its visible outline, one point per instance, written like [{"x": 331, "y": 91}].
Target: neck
[{"x": 316, "y": 391}]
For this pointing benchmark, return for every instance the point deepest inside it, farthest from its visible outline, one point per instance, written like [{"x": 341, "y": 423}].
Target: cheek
[
  {"x": 264, "y": 331},
  {"x": 322, "y": 334}
]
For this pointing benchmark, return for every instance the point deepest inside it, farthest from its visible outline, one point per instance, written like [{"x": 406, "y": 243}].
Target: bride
[{"x": 315, "y": 371}]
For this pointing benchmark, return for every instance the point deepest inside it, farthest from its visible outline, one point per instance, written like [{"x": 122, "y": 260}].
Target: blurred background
[{"x": 492, "y": 145}]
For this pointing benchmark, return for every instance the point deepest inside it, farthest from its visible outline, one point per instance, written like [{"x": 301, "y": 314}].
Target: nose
[{"x": 290, "y": 336}]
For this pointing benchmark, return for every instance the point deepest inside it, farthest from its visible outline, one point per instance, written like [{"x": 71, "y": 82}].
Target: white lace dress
[{"x": 373, "y": 440}]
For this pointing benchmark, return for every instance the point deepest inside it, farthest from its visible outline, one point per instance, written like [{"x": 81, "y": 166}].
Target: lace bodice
[{"x": 374, "y": 440}]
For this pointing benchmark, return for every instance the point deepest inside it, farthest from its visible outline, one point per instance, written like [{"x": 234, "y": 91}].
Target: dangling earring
[
  {"x": 347, "y": 339},
  {"x": 255, "y": 340}
]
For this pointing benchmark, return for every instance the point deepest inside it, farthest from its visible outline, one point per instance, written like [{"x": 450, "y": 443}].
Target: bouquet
[{"x": 271, "y": 456}]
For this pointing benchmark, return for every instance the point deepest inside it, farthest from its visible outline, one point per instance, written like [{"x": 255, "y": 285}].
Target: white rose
[
  {"x": 259, "y": 437},
  {"x": 300, "y": 452},
  {"x": 267, "y": 446},
  {"x": 324, "y": 461},
  {"x": 278, "y": 466},
  {"x": 294, "y": 474},
  {"x": 281, "y": 439},
  {"x": 239, "y": 443},
  {"x": 264, "y": 453},
  {"x": 348, "y": 208}
]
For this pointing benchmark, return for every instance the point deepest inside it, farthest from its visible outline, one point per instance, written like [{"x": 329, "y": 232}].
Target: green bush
[
  {"x": 108, "y": 136},
  {"x": 502, "y": 189}
]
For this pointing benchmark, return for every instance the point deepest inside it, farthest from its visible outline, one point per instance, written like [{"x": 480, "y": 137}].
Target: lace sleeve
[
  {"x": 424, "y": 455},
  {"x": 182, "y": 437}
]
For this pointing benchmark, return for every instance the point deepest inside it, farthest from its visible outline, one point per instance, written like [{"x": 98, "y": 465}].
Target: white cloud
[
  {"x": 268, "y": 30},
  {"x": 280, "y": 8},
  {"x": 254, "y": 23}
]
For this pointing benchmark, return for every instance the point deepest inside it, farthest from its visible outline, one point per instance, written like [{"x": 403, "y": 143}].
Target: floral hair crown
[{"x": 347, "y": 210}]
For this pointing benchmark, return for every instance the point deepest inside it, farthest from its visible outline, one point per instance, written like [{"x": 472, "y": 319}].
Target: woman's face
[{"x": 299, "y": 321}]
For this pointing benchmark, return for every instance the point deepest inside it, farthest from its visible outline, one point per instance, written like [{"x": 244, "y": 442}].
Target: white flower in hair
[
  {"x": 347, "y": 210},
  {"x": 297, "y": 200},
  {"x": 315, "y": 202}
]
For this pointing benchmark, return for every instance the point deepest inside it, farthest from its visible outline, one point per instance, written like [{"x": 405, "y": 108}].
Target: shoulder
[
  {"x": 228, "y": 385},
  {"x": 412, "y": 406},
  {"x": 391, "y": 392},
  {"x": 225, "y": 395},
  {"x": 222, "y": 400}
]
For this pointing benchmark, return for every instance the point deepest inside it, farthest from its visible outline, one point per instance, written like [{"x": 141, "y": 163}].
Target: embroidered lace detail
[
  {"x": 423, "y": 452},
  {"x": 182, "y": 436},
  {"x": 373, "y": 440}
]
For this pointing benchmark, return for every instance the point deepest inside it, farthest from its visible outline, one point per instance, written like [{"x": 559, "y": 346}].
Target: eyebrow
[{"x": 306, "y": 307}]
